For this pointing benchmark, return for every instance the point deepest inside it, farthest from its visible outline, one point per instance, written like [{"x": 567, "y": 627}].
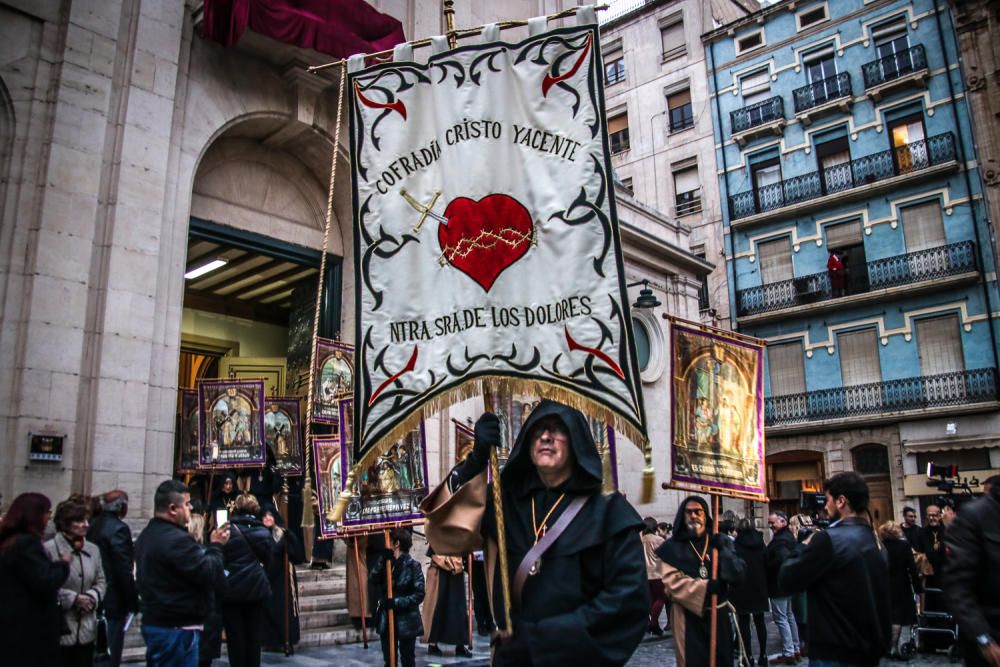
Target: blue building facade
[{"x": 857, "y": 242}]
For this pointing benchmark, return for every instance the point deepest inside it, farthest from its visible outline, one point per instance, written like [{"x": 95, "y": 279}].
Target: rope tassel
[{"x": 648, "y": 478}]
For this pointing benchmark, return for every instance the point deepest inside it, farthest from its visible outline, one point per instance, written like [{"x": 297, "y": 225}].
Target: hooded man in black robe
[
  {"x": 587, "y": 601},
  {"x": 687, "y": 579}
]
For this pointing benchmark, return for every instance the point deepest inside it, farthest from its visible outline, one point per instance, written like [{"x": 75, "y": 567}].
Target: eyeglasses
[
  {"x": 556, "y": 431},
  {"x": 694, "y": 512},
  {"x": 933, "y": 515}
]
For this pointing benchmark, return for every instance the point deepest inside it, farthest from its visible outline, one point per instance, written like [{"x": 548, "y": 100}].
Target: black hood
[
  {"x": 278, "y": 519},
  {"x": 750, "y": 539},
  {"x": 587, "y": 470},
  {"x": 681, "y": 532}
]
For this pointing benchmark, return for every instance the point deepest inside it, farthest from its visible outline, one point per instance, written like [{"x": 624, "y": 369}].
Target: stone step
[
  {"x": 341, "y": 634},
  {"x": 326, "y": 618},
  {"x": 323, "y": 602},
  {"x": 321, "y": 587}
]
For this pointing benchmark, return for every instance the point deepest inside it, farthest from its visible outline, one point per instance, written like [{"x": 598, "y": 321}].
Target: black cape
[
  {"x": 589, "y": 602},
  {"x": 690, "y": 615},
  {"x": 281, "y": 608}
]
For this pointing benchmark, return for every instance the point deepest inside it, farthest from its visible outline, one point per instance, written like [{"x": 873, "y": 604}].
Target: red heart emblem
[{"x": 482, "y": 238}]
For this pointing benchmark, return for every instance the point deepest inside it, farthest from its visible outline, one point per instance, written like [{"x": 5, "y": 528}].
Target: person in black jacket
[
  {"x": 845, "y": 573},
  {"x": 280, "y": 625},
  {"x": 750, "y": 596},
  {"x": 930, "y": 542},
  {"x": 114, "y": 538},
  {"x": 407, "y": 594},
  {"x": 780, "y": 548},
  {"x": 247, "y": 556},
  {"x": 972, "y": 576},
  {"x": 176, "y": 577},
  {"x": 30, "y": 619},
  {"x": 904, "y": 582}
]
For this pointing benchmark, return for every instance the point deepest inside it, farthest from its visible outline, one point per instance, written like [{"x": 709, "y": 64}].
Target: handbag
[{"x": 102, "y": 649}]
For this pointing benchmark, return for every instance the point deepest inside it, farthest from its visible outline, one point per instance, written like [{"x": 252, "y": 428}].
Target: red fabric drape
[{"x": 339, "y": 28}]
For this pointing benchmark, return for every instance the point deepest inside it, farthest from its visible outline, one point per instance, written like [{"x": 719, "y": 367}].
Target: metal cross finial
[{"x": 424, "y": 210}]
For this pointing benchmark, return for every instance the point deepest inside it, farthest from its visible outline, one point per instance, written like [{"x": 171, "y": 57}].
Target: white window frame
[
  {"x": 809, "y": 10},
  {"x": 739, "y": 41}
]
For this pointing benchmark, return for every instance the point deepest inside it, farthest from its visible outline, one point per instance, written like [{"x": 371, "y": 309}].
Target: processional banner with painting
[
  {"x": 187, "y": 431},
  {"x": 717, "y": 433},
  {"x": 329, "y": 480},
  {"x": 231, "y": 429},
  {"x": 486, "y": 236},
  {"x": 283, "y": 434},
  {"x": 334, "y": 374},
  {"x": 388, "y": 489}
]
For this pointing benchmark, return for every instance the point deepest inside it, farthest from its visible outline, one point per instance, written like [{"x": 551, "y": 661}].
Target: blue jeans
[
  {"x": 170, "y": 647},
  {"x": 784, "y": 618}
]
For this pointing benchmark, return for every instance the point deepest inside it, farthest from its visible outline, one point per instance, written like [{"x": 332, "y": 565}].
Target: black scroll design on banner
[
  {"x": 474, "y": 73},
  {"x": 591, "y": 370},
  {"x": 588, "y": 211},
  {"x": 444, "y": 65},
  {"x": 402, "y": 84},
  {"x": 559, "y": 60},
  {"x": 385, "y": 247}
]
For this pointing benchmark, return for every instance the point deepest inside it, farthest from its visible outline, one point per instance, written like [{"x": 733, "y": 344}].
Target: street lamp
[{"x": 646, "y": 298}]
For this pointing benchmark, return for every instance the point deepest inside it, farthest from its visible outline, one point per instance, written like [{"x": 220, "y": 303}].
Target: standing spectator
[
  {"x": 750, "y": 597},
  {"x": 445, "y": 613},
  {"x": 247, "y": 556},
  {"x": 687, "y": 577},
  {"x": 407, "y": 594},
  {"x": 30, "y": 619},
  {"x": 113, "y": 537},
  {"x": 910, "y": 526},
  {"x": 84, "y": 588},
  {"x": 782, "y": 546},
  {"x": 844, "y": 571},
  {"x": 835, "y": 269},
  {"x": 904, "y": 582},
  {"x": 972, "y": 577},
  {"x": 176, "y": 578},
  {"x": 651, "y": 541},
  {"x": 280, "y": 626},
  {"x": 931, "y": 550}
]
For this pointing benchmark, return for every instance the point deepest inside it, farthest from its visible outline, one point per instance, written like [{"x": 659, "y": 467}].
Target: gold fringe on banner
[{"x": 502, "y": 386}]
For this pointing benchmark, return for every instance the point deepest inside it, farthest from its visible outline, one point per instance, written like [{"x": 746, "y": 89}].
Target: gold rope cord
[
  {"x": 501, "y": 539},
  {"x": 307, "y": 515}
]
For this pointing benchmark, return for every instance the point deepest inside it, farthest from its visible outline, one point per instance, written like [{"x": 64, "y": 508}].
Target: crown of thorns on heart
[{"x": 487, "y": 240}]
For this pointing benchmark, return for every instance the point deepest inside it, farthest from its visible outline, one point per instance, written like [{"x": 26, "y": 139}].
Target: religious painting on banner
[
  {"x": 329, "y": 480},
  {"x": 334, "y": 378},
  {"x": 464, "y": 440},
  {"x": 718, "y": 413},
  {"x": 187, "y": 431},
  {"x": 486, "y": 236},
  {"x": 231, "y": 430},
  {"x": 389, "y": 488},
  {"x": 283, "y": 434}
]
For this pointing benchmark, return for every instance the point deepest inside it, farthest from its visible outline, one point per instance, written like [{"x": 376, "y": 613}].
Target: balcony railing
[
  {"x": 844, "y": 176},
  {"x": 895, "y": 66},
  {"x": 916, "y": 393},
  {"x": 760, "y": 113},
  {"x": 913, "y": 267},
  {"x": 821, "y": 92}
]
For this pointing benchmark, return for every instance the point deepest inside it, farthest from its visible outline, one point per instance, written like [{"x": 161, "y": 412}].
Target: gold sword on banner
[{"x": 425, "y": 211}]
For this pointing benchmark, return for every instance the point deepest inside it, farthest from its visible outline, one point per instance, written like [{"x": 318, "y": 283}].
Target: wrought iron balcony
[
  {"x": 761, "y": 113},
  {"x": 867, "y": 170},
  {"x": 916, "y": 393},
  {"x": 821, "y": 92},
  {"x": 895, "y": 66},
  {"x": 913, "y": 267}
]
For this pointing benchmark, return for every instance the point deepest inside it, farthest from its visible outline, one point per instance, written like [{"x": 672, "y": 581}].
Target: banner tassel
[
  {"x": 336, "y": 513},
  {"x": 648, "y": 479}
]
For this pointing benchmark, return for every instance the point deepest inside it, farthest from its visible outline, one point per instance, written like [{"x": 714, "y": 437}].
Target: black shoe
[
  {"x": 656, "y": 630},
  {"x": 462, "y": 652},
  {"x": 762, "y": 661},
  {"x": 434, "y": 649}
]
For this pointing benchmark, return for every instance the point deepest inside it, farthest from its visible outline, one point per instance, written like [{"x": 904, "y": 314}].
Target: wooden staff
[
  {"x": 361, "y": 592},
  {"x": 714, "y": 632},
  {"x": 469, "y": 605},
  {"x": 392, "y": 612},
  {"x": 501, "y": 524},
  {"x": 288, "y": 644}
]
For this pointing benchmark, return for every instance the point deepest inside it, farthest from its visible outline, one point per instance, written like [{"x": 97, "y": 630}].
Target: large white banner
[{"x": 486, "y": 238}]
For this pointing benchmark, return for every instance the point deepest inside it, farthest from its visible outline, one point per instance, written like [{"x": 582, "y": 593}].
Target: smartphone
[{"x": 221, "y": 518}]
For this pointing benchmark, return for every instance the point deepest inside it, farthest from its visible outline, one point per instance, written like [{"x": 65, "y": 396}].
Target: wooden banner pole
[
  {"x": 392, "y": 613},
  {"x": 714, "y": 631},
  {"x": 362, "y": 590},
  {"x": 469, "y": 601}
]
